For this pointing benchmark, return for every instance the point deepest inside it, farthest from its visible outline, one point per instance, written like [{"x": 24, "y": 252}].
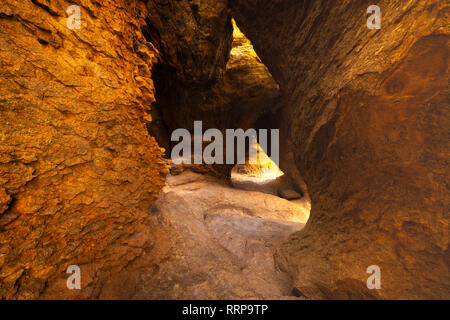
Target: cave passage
[
  {"x": 229, "y": 225},
  {"x": 362, "y": 110},
  {"x": 225, "y": 103}
]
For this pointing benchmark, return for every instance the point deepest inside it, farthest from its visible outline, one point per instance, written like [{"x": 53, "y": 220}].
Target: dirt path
[{"x": 225, "y": 241}]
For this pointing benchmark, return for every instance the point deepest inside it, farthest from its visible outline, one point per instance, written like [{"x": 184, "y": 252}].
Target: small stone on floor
[{"x": 290, "y": 194}]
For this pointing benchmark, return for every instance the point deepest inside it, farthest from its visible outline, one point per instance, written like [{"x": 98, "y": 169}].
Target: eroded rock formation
[
  {"x": 365, "y": 121},
  {"x": 78, "y": 170},
  {"x": 194, "y": 37},
  {"x": 241, "y": 92},
  {"x": 363, "y": 116}
]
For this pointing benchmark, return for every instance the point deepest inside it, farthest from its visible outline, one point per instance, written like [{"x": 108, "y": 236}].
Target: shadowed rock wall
[
  {"x": 365, "y": 122},
  {"x": 193, "y": 36}
]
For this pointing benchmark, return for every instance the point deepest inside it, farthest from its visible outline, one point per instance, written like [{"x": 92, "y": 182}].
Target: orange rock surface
[{"x": 78, "y": 170}]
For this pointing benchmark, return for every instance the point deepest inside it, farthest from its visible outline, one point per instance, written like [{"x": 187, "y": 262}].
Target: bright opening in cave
[
  {"x": 263, "y": 175},
  {"x": 245, "y": 97},
  {"x": 259, "y": 167}
]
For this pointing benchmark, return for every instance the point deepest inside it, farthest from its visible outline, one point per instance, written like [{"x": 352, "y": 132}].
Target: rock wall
[
  {"x": 78, "y": 170},
  {"x": 193, "y": 36},
  {"x": 364, "y": 120}
]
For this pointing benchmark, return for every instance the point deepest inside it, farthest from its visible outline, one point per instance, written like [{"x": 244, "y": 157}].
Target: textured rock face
[
  {"x": 241, "y": 92},
  {"x": 247, "y": 92},
  {"x": 78, "y": 170},
  {"x": 365, "y": 121},
  {"x": 194, "y": 36}
]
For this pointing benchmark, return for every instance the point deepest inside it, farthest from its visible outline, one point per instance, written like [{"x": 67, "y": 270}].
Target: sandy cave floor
[{"x": 226, "y": 239}]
